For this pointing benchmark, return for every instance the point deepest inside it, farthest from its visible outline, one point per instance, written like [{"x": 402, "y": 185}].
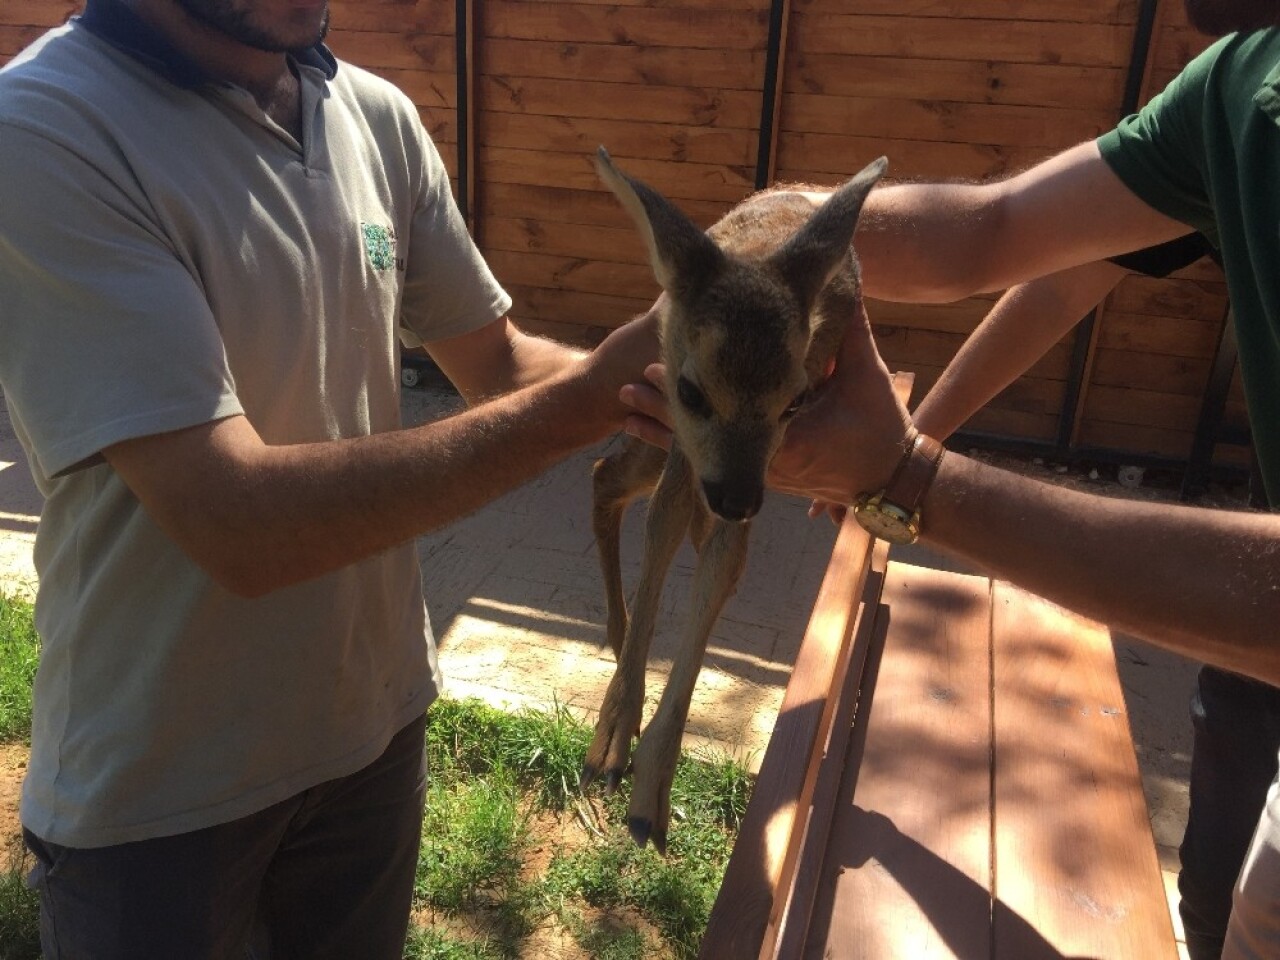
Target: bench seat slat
[
  {"x": 907, "y": 866},
  {"x": 1076, "y": 868}
]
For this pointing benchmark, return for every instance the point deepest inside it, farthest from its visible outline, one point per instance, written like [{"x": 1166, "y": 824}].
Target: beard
[
  {"x": 1220, "y": 17},
  {"x": 237, "y": 24}
]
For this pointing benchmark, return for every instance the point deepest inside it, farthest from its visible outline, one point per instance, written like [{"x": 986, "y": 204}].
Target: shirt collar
[{"x": 113, "y": 21}]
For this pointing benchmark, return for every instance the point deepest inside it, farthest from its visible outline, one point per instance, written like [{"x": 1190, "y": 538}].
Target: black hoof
[
  {"x": 589, "y": 774},
  {"x": 612, "y": 780},
  {"x": 640, "y": 828}
]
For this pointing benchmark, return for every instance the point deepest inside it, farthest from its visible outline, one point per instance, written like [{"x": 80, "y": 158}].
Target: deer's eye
[
  {"x": 794, "y": 407},
  {"x": 692, "y": 398}
]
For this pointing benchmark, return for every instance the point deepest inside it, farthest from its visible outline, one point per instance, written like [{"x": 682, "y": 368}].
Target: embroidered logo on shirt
[{"x": 380, "y": 245}]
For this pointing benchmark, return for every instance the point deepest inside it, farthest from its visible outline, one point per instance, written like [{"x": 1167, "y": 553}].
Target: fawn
[{"x": 752, "y": 314}]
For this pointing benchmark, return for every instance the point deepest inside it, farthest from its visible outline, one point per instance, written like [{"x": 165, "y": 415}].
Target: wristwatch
[{"x": 893, "y": 514}]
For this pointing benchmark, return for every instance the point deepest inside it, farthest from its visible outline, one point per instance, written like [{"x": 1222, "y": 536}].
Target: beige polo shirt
[{"x": 171, "y": 256}]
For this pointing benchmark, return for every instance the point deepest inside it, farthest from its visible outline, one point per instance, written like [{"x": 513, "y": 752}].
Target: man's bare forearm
[
  {"x": 1020, "y": 329},
  {"x": 1202, "y": 583},
  {"x": 935, "y": 243},
  {"x": 262, "y": 517}
]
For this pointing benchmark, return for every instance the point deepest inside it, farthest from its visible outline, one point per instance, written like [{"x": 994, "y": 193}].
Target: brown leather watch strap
[{"x": 915, "y": 472}]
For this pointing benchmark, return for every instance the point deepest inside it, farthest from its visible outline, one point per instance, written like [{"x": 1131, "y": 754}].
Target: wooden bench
[{"x": 951, "y": 775}]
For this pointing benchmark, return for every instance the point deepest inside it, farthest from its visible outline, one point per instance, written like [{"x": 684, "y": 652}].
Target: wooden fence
[{"x": 708, "y": 99}]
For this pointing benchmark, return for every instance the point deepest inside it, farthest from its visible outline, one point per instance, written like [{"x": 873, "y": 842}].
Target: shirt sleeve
[
  {"x": 105, "y": 335},
  {"x": 1159, "y": 152},
  {"x": 449, "y": 289}
]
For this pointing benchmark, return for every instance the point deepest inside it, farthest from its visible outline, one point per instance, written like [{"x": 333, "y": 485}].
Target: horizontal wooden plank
[
  {"x": 427, "y": 89},
  {"x": 590, "y": 205},
  {"x": 419, "y": 16},
  {"x": 932, "y": 38},
  {"x": 695, "y": 106},
  {"x": 826, "y": 158},
  {"x": 716, "y": 29},
  {"x": 1052, "y": 128},
  {"x": 577, "y": 335},
  {"x": 676, "y": 180},
  {"x": 572, "y": 308},
  {"x": 1186, "y": 376},
  {"x": 634, "y": 281},
  {"x": 442, "y": 124},
  {"x": 994, "y": 418},
  {"x": 971, "y": 81},
  {"x": 394, "y": 50},
  {"x": 1176, "y": 45},
  {"x": 898, "y": 344},
  {"x": 1128, "y": 438},
  {"x": 38, "y": 13},
  {"x": 623, "y": 138},
  {"x": 1144, "y": 408},
  {"x": 1079, "y": 11},
  {"x": 1172, "y": 335},
  {"x": 611, "y": 63},
  {"x": 753, "y": 5},
  {"x": 616, "y": 244},
  {"x": 1014, "y": 424},
  {"x": 1168, "y": 297},
  {"x": 960, "y": 317}
]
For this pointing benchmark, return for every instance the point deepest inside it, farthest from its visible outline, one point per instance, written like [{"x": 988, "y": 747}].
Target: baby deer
[{"x": 754, "y": 310}]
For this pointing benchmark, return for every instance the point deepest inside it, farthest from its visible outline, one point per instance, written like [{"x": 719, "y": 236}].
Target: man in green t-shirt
[{"x": 1201, "y": 157}]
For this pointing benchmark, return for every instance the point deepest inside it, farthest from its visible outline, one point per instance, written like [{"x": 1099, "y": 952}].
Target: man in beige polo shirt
[{"x": 210, "y": 232}]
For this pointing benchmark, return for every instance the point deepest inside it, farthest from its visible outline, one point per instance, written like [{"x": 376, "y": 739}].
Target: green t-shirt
[{"x": 1206, "y": 151}]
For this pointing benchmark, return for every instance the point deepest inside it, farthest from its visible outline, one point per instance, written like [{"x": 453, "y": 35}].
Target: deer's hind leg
[
  {"x": 617, "y": 480},
  {"x": 669, "y": 511},
  {"x": 720, "y": 564}
]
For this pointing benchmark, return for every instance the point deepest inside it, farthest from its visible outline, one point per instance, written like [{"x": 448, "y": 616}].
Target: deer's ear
[
  {"x": 813, "y": 254},
  {"x": 684, "y": 258}
]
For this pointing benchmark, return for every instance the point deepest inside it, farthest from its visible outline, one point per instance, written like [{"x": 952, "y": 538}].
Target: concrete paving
[{"x": 515, "y": 597}]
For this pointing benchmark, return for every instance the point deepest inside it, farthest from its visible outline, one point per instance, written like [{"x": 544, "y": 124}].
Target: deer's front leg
[
  {"x": 620, "y": 713},
  {"x": 720, "y": 564}
]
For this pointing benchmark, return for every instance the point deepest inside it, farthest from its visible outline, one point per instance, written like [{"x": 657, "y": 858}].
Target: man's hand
[
  {"x": 651, "y": 421},
  {"x": 620, "y": 361},
  {"x": 849, "y": 440}
]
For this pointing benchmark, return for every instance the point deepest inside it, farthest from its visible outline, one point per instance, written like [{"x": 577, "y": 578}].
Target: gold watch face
[{"x": 886, "y": 521}]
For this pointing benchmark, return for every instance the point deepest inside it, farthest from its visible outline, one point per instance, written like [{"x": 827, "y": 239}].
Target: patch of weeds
[
  {"x": 616, "y": 901},
  {"x": 19, "y": 914},
  {"x": 19, "y": 655},
  {"x": 473, "y": 840},
  {"x": 544, "y": 748},
  {"x": 607, "y": 937},
  {"x": 433, "y": 945}
]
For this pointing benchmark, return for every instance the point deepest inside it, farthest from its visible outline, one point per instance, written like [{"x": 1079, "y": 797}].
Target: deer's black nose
[{"x": 733, "y": 501}]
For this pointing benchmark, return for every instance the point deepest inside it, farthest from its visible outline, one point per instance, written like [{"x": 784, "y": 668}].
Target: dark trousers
[
  {"x": 325, "y": 874},
  {"x": 1236, "y": 723}
]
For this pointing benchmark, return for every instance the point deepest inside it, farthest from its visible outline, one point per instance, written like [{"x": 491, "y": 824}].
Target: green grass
[
  {"x": 612, "y": 897},
  {"x": 19, "y": 654},
  {"x": 497, "y": 781}
]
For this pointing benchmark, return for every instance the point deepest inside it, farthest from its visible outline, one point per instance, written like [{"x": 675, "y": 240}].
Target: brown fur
[{"x": 754, "y": 311}]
